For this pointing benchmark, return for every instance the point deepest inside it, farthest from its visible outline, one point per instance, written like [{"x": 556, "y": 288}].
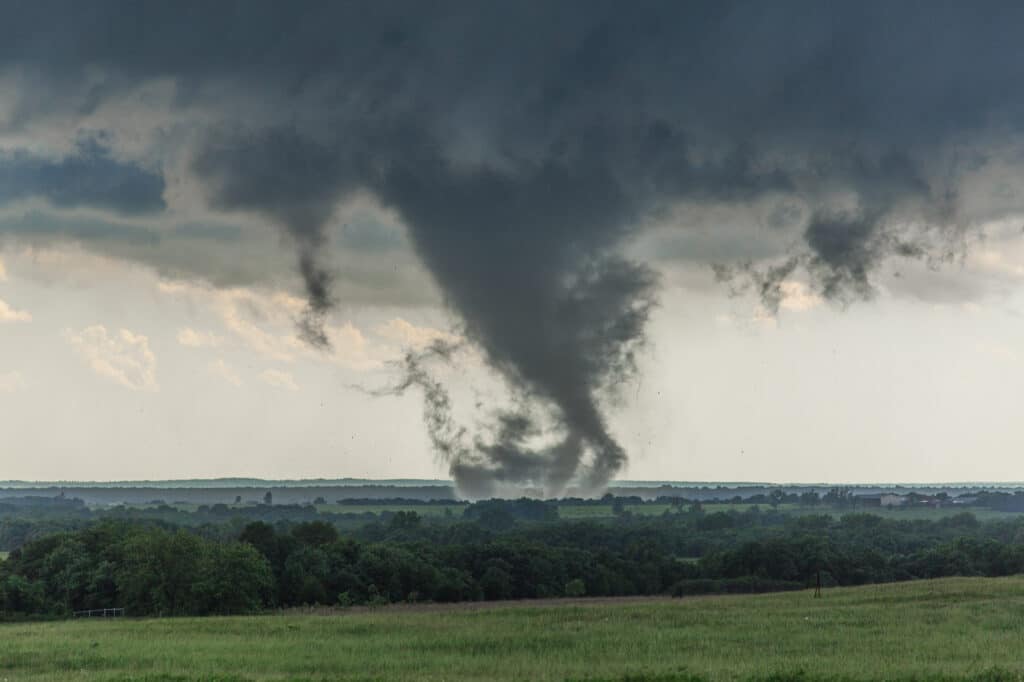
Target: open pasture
[{"x": 960, "y": 628}]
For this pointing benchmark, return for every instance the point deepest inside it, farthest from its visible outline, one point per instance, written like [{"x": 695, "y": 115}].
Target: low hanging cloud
[
  {"x": 263, "y": 322},
  {"x": 295, "y": 181},
  {"x": 279, "y": 379},
  {"x": 88, "y": 177},
  {"x": 256, "y": 319},
  {"x": 223, "y": 370},
  {"x": 124, "y": 358},
  {"x": 797, "y": 297},
  {"x": 199, "y": 339},
  {"x": 11, "y": 314},
  {"x": 409, "y": 335},
  {"x": 12, "y": 381}
]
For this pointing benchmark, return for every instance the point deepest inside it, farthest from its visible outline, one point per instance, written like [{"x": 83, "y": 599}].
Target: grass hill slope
[{"x": 958, "y": 628}]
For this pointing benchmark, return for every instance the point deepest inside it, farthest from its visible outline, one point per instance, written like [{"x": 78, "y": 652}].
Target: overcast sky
[{"x": 526, "y": 244}]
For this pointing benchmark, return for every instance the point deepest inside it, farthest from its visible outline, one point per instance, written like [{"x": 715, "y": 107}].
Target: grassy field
[{"x": 963, "y": 628}]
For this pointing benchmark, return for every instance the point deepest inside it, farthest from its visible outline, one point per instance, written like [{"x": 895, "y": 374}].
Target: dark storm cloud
[
  {"x": 842, "y": 247},
  {"x": 765, "y": 282},
  {"x": 846, "y": 249},
  {"x": 555, "y": 313},
  {"x": 36, "y": 226},
  {"x": 524, "y": 143},
  {"x": 294, "y": 181},
  {"x": 87, "y": 178},
  {"x": 833, "y": 79},
  {"x": 447, "y": 437}
]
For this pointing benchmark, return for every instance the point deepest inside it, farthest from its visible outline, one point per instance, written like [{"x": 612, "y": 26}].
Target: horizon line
[{"x": 412, "y": 482}]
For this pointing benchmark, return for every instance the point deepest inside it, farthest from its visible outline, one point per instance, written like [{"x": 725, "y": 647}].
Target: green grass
[{"x": 963, "y": 628}]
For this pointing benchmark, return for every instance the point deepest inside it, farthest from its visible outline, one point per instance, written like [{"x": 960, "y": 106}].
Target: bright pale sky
[{"x": 111, "y": 371}]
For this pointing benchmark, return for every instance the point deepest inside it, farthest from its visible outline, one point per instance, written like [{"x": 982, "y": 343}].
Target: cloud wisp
[
  {"x": 10, "y": 314},
  {"x": 124, "y": 358},
  {"x": 221, "y": 369},
  {"x": 199, "y": 339},
  {"x": 279, "y": 379},
  {"x": 12, "y": 381}
]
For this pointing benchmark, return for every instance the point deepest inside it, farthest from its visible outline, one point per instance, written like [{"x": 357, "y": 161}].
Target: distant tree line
[
  {"x": 29, "y": 517},
  {"x": 497, "y": 550}
]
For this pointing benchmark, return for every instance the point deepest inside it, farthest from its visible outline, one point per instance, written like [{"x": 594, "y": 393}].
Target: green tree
[
  {"x": 232, "y": 578},
  {"x": 20, "y": 595},
  {"x": 405, "y": 520},
  {"x": 262, "y": 536},
  {"x": 306, "y": 572},
  {"x": 575, "y": 588},
  {"x": 315, "y": 533},
  {"x": 496, "y": 580},
  {"x": 810, "y": 498},
  {"x": 157, "y": 571}
]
